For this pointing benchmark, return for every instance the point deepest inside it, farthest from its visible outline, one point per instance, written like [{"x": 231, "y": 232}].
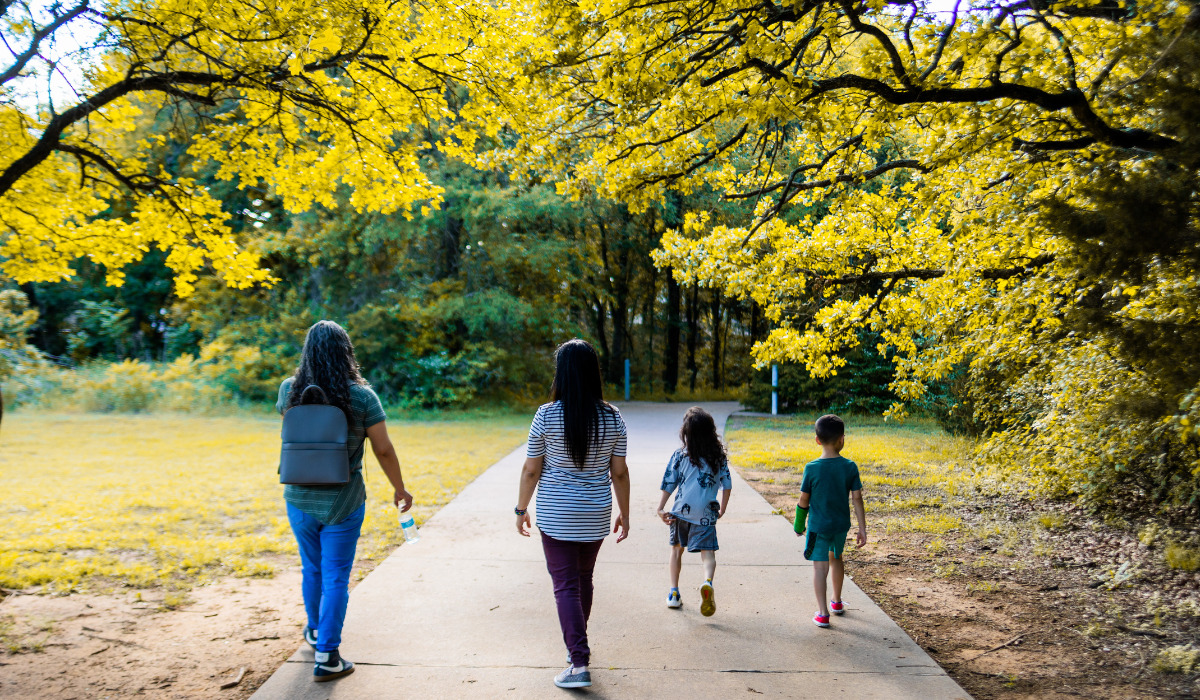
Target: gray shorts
[{"x": 697, "y": 538}]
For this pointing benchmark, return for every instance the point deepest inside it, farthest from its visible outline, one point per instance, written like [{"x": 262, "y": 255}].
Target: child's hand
[
  {"x": 665, "y": 516},
  {"x": 861, "y": 540}
]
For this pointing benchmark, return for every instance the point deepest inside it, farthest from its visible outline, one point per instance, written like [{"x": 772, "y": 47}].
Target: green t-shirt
[
  {"x": 333, "y": 504},
  {"x": 828, "y": 482}
]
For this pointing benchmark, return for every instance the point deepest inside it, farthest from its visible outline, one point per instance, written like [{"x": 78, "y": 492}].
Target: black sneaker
[
  {"x": 310, "y": 636},
  {"x": 330, "y": 665}
]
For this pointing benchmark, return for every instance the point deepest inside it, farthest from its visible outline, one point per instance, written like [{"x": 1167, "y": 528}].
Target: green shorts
[{"x": 818, "y": 545}]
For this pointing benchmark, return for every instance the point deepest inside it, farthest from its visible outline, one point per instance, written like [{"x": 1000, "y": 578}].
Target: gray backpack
[{"x": 314, "y": 444}]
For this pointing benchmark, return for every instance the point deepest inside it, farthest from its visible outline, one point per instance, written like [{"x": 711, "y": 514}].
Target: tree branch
[
  {"x": 1073, "y": 100},
  {"x": 51, "y": 135},
  {"x": 35, "y": 42},
  {"x": 929, "y": 273},
  {"x": 945, "y": 37}
]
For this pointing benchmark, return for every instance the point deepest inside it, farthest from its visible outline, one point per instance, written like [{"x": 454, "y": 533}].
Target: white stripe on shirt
[{"x": 573, "y": 503}]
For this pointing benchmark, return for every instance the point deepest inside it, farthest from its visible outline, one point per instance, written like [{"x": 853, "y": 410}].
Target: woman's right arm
[
  {"x": 620, "y": 479},
  {"x": 385, "y": 452},
  {"x": 531, "y": 473}
]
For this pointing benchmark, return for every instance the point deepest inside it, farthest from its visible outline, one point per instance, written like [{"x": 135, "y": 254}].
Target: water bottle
[{"x": 409, "y": 526}]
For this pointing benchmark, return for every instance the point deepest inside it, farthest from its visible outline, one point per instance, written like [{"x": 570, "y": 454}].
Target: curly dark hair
[
  {"x": 699, "y": 435},
  {"x": 328, "y": 362}
]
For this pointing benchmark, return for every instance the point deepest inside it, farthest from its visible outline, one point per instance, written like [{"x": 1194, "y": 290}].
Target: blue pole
[
  {"x": 627, "y": 379},
  {"x": 774, "y": 390}
]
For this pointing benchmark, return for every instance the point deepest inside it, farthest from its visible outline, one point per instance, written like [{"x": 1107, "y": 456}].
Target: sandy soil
[
  {"x": 1010, "y": 622},
  {"x": 126, "y": 644}
]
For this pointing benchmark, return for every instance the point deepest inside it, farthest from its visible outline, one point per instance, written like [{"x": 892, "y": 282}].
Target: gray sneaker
[{"x": 566, "y": 679}]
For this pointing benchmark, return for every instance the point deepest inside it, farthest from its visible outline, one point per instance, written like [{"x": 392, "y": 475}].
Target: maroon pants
[{"x": 571, "y": 565}]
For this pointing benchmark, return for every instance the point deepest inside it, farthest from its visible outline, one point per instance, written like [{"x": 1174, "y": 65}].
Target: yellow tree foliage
[
  {"x": 900, "y": 159},
  {"x": 302, "y": 97}
]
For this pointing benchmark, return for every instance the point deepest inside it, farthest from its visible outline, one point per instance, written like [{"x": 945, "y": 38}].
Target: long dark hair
[
  {"x": 699, "y": 435},
  {"x": 578, "y": 386},
  {"x": 327, "y": 361}
]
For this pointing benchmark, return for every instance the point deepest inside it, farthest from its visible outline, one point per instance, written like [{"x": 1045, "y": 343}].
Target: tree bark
[
  {"x": 717, "y": 379},
  {"x": 620, "y": 318},
  {"x": 671, "y": 361},
  {"x": 756, "y": 322},
  {"x": 601, "y": 316},
  {"x": 649, "y": 326},
  {"x": 450, "y": 247},
  {"x": 693, "y": 335}
]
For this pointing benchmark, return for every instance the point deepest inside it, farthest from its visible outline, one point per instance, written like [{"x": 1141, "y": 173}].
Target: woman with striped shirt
[{"x": 576, "y": 460}]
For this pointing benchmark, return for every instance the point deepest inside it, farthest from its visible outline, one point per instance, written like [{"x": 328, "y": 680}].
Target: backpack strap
[{"x": 310, "y": 387}]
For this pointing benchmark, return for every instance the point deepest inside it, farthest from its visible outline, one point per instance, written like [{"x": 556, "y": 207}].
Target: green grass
[
  {"x": 95, "y": 500},
  {"x": 909, "y": 470}
]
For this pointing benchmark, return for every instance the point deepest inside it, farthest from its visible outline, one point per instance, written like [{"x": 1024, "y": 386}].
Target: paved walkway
[{"x": 469, "y": 612}]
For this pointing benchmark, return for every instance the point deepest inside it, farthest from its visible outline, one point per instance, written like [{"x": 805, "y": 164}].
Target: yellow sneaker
[{"x": 708, "y": 599}]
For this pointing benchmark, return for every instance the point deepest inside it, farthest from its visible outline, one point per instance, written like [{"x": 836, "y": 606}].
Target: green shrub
[
  {"x": 1184, "y": 558},
  {"x": 1177, "y": 659},
  {"x": 130, "y": 386}
]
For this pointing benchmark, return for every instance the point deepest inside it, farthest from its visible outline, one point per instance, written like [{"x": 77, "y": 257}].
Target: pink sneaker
[
  {"x": 820, "y": 620},
  {"x": 836, "y": 607}
]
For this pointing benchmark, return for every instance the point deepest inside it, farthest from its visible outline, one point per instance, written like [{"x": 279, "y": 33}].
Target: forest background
[
  {"x": 985, "y": 212},
  {"x": 456, "y": 308},
  {"x": 988, "y": 212}
]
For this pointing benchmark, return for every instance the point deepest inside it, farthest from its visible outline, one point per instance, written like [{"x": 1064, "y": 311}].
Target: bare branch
[
  {"x": 51, "y": 135},
  {"x": 929, "y": 273},
  {"x": 35, "y": 42},
  {"x": 937, "y": 54}
]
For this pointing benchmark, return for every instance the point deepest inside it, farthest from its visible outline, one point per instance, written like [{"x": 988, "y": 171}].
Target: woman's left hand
[
  {"x": 523, "y": 525},
  {"x": 621, "y": 526},
  {"x": 402, "y": 494}
]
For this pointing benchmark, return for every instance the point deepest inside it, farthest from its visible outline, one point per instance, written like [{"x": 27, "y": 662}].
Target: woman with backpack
[
  {"x": 575, "y": 460},
  {"x": 327, "y": 519}
]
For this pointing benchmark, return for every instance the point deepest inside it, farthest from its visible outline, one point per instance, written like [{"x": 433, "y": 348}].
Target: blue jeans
[{"x": 326, "y": 556}]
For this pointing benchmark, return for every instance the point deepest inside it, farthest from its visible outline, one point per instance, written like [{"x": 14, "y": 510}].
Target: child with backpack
[
  {"x": 694, "y": 474},
  {"x": 830, "y": 483}
]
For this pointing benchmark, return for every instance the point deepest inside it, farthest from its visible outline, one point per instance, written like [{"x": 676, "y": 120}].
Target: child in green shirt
[{"x": 824, "y": 504}]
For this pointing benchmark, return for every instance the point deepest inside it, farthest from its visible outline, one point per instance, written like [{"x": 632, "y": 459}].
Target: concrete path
[{"x": 469, "y": 612}]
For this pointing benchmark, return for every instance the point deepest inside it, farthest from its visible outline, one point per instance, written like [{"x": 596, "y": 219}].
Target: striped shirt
[
  {"x": 333, "y": 504},
  {"x": 574, "y": 504}
]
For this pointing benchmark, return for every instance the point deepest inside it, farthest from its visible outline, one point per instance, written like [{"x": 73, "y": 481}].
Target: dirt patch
[
  {"x": 129, "y": 644},
  {"x": 1014, "y": 609}
]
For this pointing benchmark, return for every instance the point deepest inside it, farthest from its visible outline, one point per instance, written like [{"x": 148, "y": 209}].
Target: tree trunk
[
  {"x": 601, "y": 316},
  {"x": 650, "y": 328},
  {"x": 671, "y": 366},
  {"x": 716, "y": 376},
  {"x": 620, "y": 318},
  {"x": 450, "y": 246},
  {"x": 619, "y": 286},
  {"x": 693, "y": 336},
  {"x": 756, "y": 322}
]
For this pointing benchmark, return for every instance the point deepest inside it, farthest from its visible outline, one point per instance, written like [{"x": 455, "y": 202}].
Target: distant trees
[
  {"x": 306, "y": 99},
  {"x": 1005, "y": 192}
]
